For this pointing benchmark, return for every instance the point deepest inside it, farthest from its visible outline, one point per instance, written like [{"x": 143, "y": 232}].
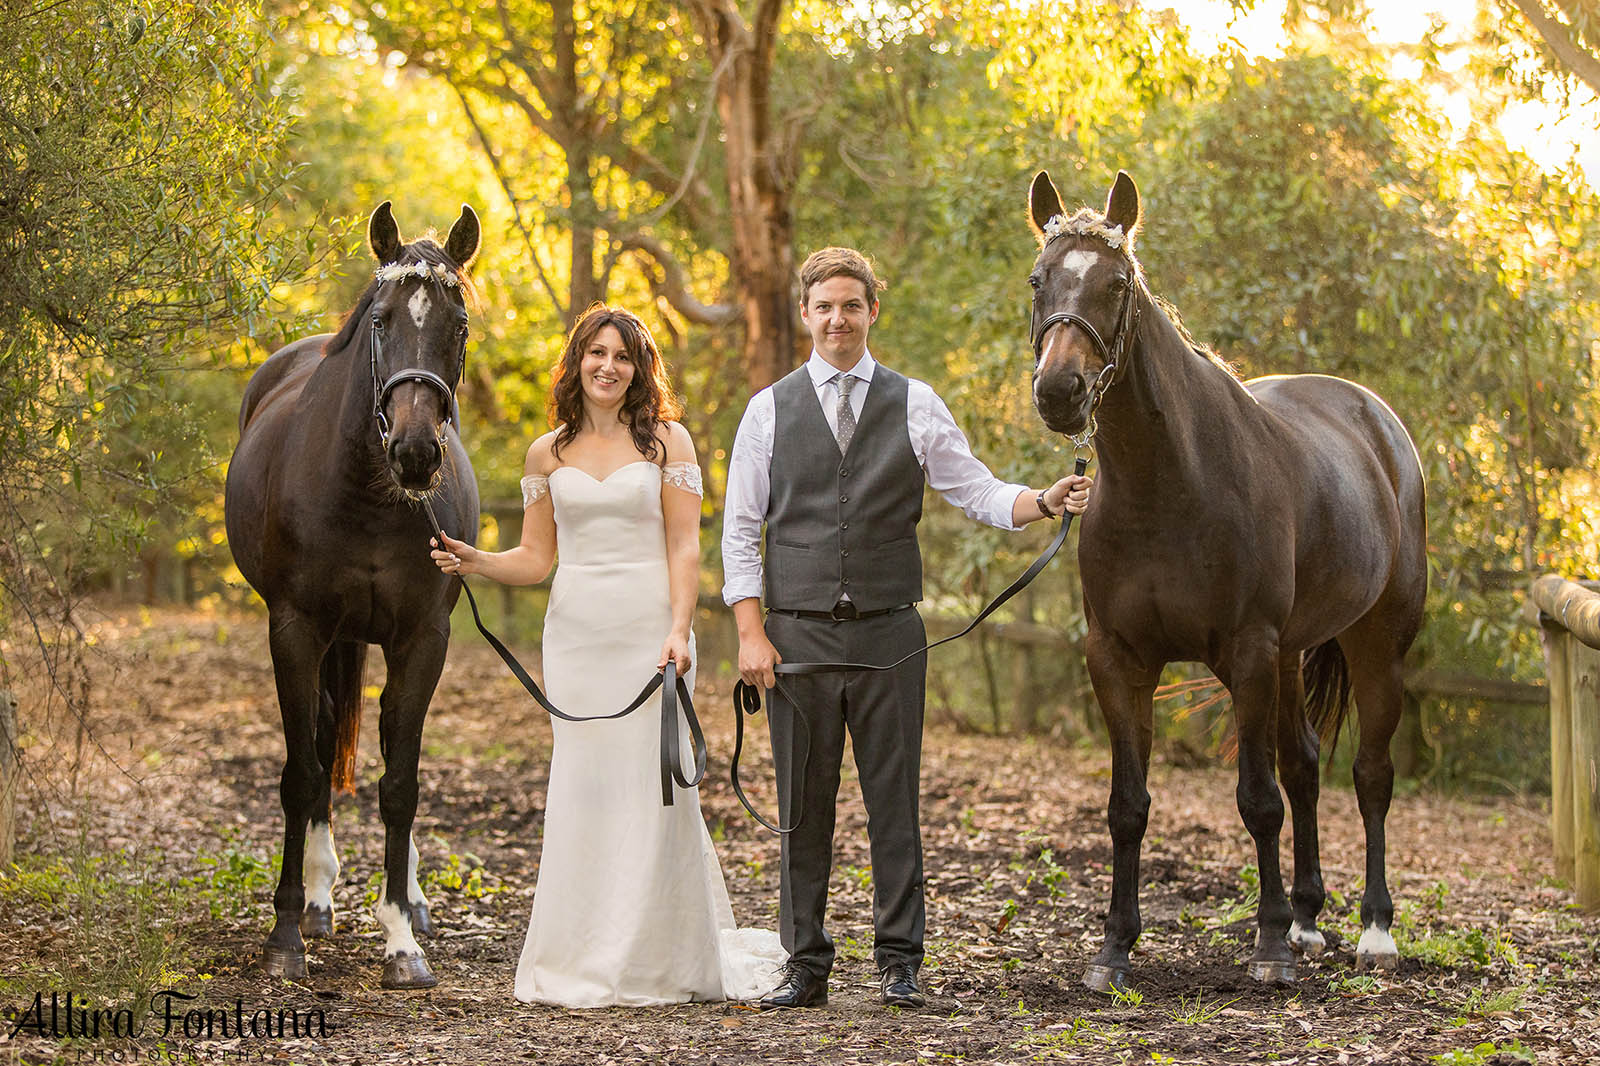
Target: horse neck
[
  {"x": 1150, "y": 420},
  {"x": 358, "y": 454}
]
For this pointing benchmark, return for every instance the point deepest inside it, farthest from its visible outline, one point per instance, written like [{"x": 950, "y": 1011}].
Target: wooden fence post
[
  {"x": 1585, "y": 774},
  {"x": 1574, "y": 611},
  {"x": 1557, "y": 664},
  {"x": 9, "y": 771}
]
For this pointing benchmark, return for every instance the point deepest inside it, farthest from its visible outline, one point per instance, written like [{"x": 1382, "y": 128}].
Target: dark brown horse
[
  {"x": 340, "y": 438},
  {"x": 1272, "y": 530}
]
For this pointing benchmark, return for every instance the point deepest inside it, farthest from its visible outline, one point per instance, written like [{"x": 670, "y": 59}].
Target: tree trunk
[
  {"x": 8, "y": 776},
  {"x": 759, "y": 183}
]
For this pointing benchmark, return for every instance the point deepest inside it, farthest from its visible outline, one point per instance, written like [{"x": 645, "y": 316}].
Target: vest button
[
  {"x": 847, "y": 581},
  {"x": 844, "y": 525},
  {"x": 844, "y": 553},
  {"x": 844, "y": 473},
  {"x": 844, "y": 499}
]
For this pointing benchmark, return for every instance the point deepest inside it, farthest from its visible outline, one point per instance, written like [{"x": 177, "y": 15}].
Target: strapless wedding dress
[{"x": 630, "y": 906}]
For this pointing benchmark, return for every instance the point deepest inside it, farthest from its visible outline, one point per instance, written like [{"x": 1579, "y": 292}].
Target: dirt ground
[{"x": 1497, "y": 967}]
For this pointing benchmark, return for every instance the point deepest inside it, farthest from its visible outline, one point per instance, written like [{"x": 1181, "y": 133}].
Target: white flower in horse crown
[
  {"x": 1086, "y": 224},
  {"x": 423, "y": 271}
]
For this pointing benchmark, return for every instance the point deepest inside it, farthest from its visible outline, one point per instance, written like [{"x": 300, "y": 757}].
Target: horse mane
[
  {"x": 422, "y": 250},
  {"x": 1205, "y": 351}
]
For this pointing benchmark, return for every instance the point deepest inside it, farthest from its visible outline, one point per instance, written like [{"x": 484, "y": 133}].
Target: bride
[{"x": 630, "y": 906}]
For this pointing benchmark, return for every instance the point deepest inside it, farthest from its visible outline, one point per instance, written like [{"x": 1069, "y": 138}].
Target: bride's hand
[
  {"x": 456, "y": 557},
  {"x": 676, "y": 649}
]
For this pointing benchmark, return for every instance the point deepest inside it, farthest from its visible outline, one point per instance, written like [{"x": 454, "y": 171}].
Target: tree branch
[
  {"x": 1581, "y": 62},
  {"x": 671, "y": 283},
  {"x": 511, "y": 198}
]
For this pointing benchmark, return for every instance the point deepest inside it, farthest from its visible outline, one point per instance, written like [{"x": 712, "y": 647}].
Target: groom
[{"x": 832, "y": 460}]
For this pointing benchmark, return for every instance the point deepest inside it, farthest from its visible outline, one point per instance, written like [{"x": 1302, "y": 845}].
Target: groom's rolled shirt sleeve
[
  {"x": 745, "y": 506},
  {"x": 951, "y": 468}
]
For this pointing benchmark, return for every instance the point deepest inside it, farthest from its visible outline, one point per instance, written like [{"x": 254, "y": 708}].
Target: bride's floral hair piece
[{"x": 650, "y": 399}]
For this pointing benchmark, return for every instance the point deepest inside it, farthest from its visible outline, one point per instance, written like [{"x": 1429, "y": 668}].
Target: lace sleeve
[
  {"x": 685, "y": 476},
  {"x": 535, "y": 487}
]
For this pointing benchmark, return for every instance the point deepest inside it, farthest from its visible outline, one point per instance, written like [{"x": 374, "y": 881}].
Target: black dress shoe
[
  {"x": 799, "y": 988},
  {"x": 900, "y": 986}
]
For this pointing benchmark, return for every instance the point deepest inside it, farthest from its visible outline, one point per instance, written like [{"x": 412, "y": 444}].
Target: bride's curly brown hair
[{"x": 649, "y": 401}]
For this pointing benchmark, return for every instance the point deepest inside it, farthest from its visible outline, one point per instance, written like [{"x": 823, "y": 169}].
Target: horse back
[
  {"x": 1360, "y": 513},
  {"x": 281, "y": 377}
]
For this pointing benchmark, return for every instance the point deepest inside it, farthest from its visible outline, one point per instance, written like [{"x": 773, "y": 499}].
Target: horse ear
[
  {"x": 462, "y": 244},
  {"x": 1122, "y": 205},
  {"x": 1044, "y": 203},
  {"x": 383, "y": 235}
]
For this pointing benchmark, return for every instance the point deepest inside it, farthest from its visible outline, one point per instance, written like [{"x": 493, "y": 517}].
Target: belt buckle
[{"x": 843, "y": 611}]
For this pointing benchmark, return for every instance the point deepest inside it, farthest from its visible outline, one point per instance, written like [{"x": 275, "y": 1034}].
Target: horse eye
[
  {"x": 377, "y": 321},
  {"x": 1033, "y": 282}
]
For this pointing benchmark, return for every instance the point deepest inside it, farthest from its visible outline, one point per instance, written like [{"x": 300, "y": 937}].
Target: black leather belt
[{"x": 843, "y": 611}]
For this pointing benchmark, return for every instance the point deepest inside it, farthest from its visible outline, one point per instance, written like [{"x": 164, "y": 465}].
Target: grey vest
[{"x": 843, "y": 525}]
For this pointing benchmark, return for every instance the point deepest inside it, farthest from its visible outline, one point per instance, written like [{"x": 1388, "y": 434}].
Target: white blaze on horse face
[
  {"x": 321, "y": 867},
  {"x": 1076, "y": 263},
  {"x": 396, "y": 927},
  {"x": 414, "y": 894},
  {"x": 418, "y": 305}
]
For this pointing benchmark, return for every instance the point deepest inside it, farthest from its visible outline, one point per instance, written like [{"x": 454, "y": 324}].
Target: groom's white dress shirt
[{"x": 937, "y": 442}]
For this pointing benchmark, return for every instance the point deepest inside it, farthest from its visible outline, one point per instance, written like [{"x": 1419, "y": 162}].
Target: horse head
[
  {"x": 417, "y": 323},
  {"x": 1086, "y": 286}
]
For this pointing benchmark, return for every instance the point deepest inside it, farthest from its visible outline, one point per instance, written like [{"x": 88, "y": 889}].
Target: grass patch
[{"x": 1486, "y": 1052}]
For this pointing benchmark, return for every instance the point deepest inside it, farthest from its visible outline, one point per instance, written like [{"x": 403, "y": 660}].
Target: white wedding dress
[{"x": 630, "y": 906}]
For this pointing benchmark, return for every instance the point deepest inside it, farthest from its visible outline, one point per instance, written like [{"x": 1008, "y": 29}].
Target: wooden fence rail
[{"x": 1569, "y": 618}]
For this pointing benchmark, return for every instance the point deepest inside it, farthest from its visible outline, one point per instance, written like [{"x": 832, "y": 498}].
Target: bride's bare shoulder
[{"x": 541, "y": 458}]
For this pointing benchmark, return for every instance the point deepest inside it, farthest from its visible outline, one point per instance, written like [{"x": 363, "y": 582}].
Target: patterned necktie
[{"x": 845, "y": 417}]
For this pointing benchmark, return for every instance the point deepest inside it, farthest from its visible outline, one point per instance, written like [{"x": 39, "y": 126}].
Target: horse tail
[
  {"x": 343, "y": 672},
  {"x": 1327, "y": 681}
]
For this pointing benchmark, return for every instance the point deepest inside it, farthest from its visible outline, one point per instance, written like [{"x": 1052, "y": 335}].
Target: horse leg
[
  {"x": 1123, "y": 689},
  {"x": 414, "y": 668},
  {"x": 421, "y": 917},
  {"x": 322, "y": 861},
  {"x": 1253, "y": 682},
  {"x": 296, "y": 652},
  {"x": 1297, "y": 767},
  {"x": 1377, "y": 675}
]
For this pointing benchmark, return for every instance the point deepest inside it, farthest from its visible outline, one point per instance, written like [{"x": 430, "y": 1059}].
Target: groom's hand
[{"x": 757, "y": 657}]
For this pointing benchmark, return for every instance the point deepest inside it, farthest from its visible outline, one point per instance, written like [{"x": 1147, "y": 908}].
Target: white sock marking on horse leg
[
  {"x": 321, "y": 867},
  {"x": 1309, "y": 941},
  {"x": 1377, "y": 948},
  {"x": 413, "y": 886},
  {"x": 418, "y": 306},
  {"x": 396, "y": 927}
]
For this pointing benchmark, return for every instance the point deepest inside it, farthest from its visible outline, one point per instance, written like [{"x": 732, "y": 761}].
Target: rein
[
  {"x": 747, "y": 698},
  {"x": 674, "y": 691}
]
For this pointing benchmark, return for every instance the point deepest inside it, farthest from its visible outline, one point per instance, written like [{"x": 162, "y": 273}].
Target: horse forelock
[
  {"x": 424, "y": 251},
  {"x": 1087, "y": 222}
]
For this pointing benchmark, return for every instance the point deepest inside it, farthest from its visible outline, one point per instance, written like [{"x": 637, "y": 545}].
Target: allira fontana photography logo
[{"x": 170, "y": 1015}]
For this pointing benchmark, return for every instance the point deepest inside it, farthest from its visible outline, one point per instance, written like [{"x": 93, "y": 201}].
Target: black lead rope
[
  {"x": 674, "y": 692},
  {"x": 747, "y": 698}
]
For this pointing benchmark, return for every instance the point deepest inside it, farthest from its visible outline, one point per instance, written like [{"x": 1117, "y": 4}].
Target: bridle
[
  {"x": 382, "y": 391},
  {"x": 1112, "y": 355}
]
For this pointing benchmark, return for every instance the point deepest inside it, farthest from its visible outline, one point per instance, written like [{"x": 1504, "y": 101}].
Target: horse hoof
[
  {"x": 278, "y": 962},
  {"x": 315, "y": 922},
  {"x": 1374, "y": 961},
  {"x": 1306, "y": 941},
  {"x": 1376, "y": 950},
  {"x": 408, "y": 971},
  {"x": 1272, "y": 972},
  {"x": 421, "y": 920},
  {"x": 1106, "y": 979}
]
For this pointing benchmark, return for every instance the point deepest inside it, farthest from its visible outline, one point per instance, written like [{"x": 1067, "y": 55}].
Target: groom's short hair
[{"x": 828, "y": 263}]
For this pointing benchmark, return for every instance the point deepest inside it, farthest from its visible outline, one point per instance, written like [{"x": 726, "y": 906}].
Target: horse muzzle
[
  {"x": 1062, "y": 400},
  {"x": 414, "y": 460}
]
